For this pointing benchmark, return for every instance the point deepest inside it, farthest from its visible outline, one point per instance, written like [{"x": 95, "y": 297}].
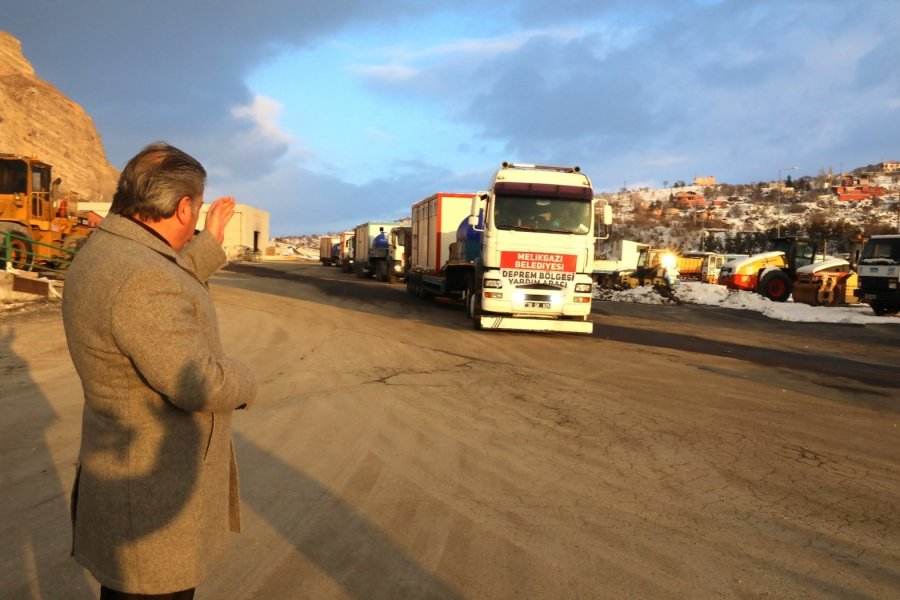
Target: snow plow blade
[{"x": 521, "y": 324}]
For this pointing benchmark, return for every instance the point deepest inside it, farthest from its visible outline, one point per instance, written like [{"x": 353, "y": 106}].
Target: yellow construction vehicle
[
  {"x": 831, "y": 282},
  {"x": 770, "y": 274},
  {"x": 37, "y": 226}
]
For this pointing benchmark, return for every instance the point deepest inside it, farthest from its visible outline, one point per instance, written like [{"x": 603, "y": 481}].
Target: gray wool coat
[{"x": 156, "y": 487}]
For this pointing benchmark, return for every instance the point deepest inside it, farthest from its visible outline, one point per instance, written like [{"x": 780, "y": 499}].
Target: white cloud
[{"x": 263, "y": 113}]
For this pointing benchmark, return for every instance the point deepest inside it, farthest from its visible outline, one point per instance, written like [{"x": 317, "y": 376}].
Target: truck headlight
[
  {"x": 492, "y": 283},
  {"x": 583, "y": 288}
]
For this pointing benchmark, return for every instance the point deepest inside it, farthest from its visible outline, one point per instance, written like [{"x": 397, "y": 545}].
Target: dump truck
[
  {"x": 329, "y": 250},
  {"x": 519, "y": 256},
  {"x": 373, "y": 255},
  {"x": 879, "y": 271},
  {"x": 771, "y": 274},
  {"x": 700, "y": 266},
  {"x": 37, "y": 224}
]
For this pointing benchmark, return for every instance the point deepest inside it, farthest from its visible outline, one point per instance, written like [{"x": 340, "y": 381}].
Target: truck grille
[{"x": 875, "y": 284}]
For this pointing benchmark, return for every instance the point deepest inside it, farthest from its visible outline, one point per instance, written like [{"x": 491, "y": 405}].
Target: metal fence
[{"x": 18, "y": 252}]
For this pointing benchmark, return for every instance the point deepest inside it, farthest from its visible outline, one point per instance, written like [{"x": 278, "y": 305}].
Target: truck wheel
[
  {"x": 20, "y": 247},
  {"x": 882, "y": 309},
  {"x": 775, "y": 285},
  {"x": 473, "y": 302}
]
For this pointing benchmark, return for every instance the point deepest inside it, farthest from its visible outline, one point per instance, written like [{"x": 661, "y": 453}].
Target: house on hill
[{"x": 685, "y": 200}]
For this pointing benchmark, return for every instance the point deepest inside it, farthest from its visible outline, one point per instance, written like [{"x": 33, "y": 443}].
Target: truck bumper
[{"x": 524, "y": 324}]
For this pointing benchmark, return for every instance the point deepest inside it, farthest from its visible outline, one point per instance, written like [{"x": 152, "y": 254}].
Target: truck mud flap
[{"x": 520, "y": 324}]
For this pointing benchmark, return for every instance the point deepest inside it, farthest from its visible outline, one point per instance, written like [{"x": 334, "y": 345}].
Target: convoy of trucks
[{"x": 519, "y": 255}]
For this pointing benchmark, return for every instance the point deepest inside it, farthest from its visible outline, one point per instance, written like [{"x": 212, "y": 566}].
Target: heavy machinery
[
  {"x": 36, "y": 224},
  {"x": 770, "y": 274},
  {"x": 831, "y": 282},
  {"x": 656, "y": 267},
  {"x": 879, "y": 271},
  {"x": 700, "y": 266},
  {"x": 613, "y": 260}
]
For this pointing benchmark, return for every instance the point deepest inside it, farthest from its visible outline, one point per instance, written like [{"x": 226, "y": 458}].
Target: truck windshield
[
  {"x": 886, "y": 249},
  {"x": 539, "y": 213}
]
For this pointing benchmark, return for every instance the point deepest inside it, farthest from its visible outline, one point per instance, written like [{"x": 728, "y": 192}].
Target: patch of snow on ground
[{"x": 691, "y": 292}]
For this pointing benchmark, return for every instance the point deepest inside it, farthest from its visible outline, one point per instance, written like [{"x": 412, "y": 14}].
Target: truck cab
[
  {"x": 537, "y": 244},
  {"x": 878, "y": 271}
]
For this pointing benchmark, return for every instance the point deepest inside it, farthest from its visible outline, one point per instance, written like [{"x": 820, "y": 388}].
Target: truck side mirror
[
  {"x": 603, "y": 227},
  {"x": 478, "y": 206}
]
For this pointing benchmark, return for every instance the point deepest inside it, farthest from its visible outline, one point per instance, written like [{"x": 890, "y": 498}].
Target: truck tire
[
  {"x": 473, "y": 301},
  {"x": 882, "y": 309},
  {"x": 775, "y": 285},
  {"x": 21, "y": 256}
]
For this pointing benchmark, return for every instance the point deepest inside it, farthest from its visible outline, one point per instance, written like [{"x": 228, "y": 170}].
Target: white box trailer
[{"x": 435, "y": 221}]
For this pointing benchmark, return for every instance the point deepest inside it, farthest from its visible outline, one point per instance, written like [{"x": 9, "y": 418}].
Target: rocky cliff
[{"x": 37, "y": 120}]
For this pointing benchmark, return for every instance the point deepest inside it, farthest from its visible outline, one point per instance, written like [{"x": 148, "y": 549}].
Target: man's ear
[{"x": 185, "y": 209}]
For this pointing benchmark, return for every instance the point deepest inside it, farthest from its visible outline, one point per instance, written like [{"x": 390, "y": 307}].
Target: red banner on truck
[{"x": 538, "y": 261}]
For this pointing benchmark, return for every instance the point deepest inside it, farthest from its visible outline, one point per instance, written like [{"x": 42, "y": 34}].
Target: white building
[{"x": 247, "y": 232}]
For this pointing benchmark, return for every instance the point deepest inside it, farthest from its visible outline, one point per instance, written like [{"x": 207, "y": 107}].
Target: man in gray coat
[{"x": 156, "y": 488}]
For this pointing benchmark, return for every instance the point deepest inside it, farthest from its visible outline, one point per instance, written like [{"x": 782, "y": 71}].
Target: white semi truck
[
  {"x": 520, "y": 255},
  {"x": 373, "y": 253}
]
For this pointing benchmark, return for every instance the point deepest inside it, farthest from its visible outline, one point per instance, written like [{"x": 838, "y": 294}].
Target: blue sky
[{"x": 331, "y": 114}]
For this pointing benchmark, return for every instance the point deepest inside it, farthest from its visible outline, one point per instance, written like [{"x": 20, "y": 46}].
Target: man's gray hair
[{"x": 155, "y": 180}]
